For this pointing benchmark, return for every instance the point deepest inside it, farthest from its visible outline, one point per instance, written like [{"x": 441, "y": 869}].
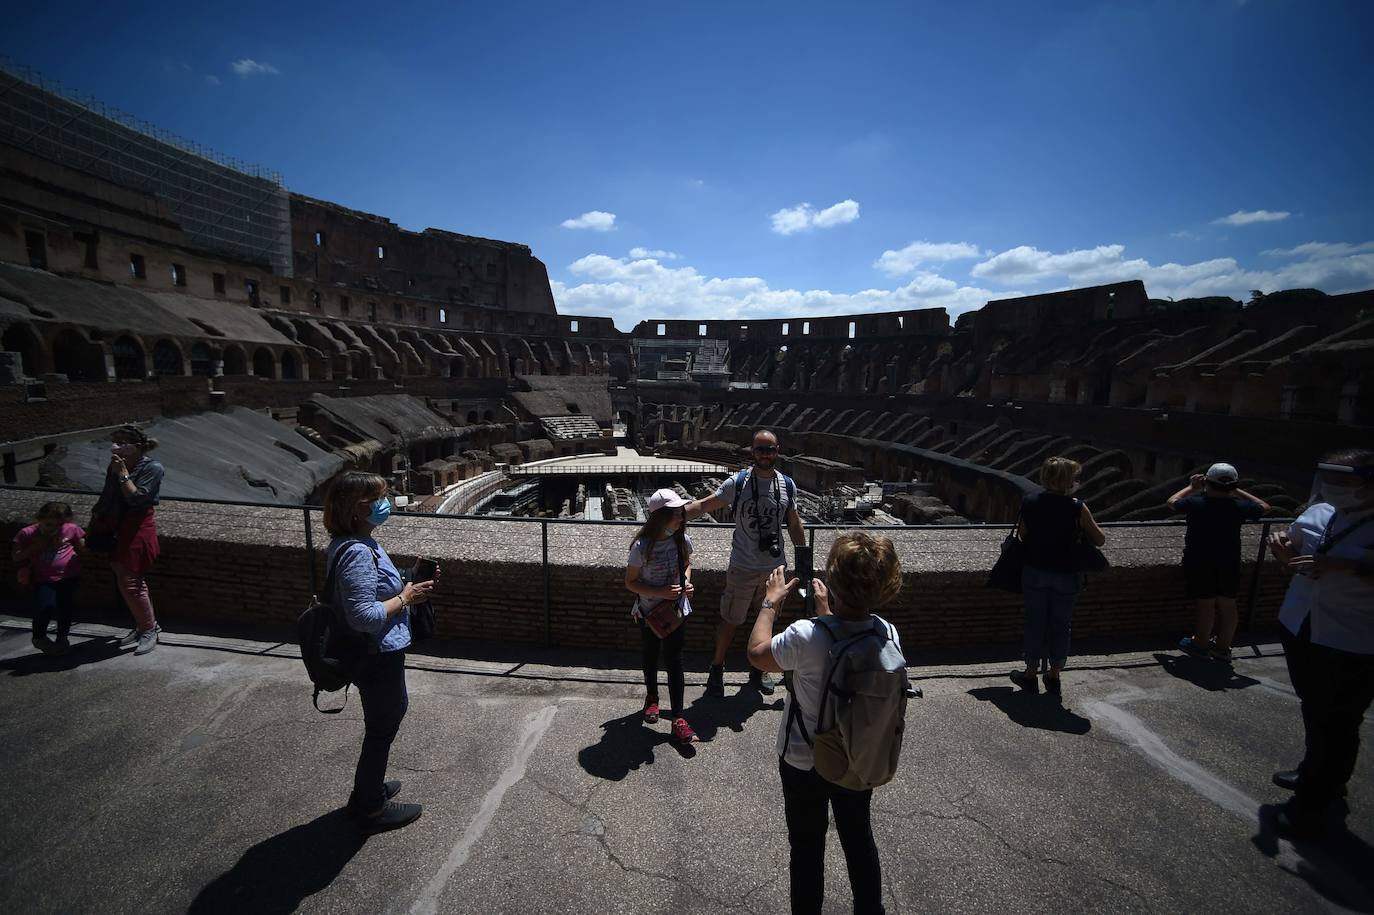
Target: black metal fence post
[
  {"x": 548, "y": 588},
  {"x": 310, "y": 554},
  {"x": 1255, "y": 577}
]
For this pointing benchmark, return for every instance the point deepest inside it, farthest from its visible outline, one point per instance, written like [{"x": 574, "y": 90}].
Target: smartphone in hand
[{"x": 423, "y": 570}]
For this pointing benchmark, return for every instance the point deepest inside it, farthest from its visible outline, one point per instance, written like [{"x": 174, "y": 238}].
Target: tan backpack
[{"x": 862, "y": 717}]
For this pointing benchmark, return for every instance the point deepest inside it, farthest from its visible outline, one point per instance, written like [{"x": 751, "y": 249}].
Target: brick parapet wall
[{"x": 229, "y": 563}]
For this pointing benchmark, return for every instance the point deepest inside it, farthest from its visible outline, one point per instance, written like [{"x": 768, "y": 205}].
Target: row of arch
[{"x": 81, "y": 358}]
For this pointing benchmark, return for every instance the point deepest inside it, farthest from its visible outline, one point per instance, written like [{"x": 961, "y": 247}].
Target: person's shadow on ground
[
  {"x": 708, "y": 716},
  {"x": 1203, "y": 672},
  {"x": 89, "y": 651},
  {"x": 626, "y": 744},
  {"x": 1031, "y": 710},
  {"x": 277, "y": 874},
  {"x": 1337, "y": 865}
]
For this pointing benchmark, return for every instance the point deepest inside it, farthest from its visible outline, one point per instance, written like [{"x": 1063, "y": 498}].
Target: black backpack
[{"x": 330, "y": 648}]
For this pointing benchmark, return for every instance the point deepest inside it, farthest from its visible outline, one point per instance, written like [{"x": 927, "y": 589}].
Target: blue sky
[{"x": 762, "y": 160}]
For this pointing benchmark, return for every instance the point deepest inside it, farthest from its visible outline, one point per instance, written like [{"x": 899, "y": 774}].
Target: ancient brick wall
[{"x": 223, "y": 564}]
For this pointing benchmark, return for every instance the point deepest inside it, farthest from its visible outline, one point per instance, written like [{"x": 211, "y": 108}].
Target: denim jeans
[
  {"x": 381, "y": 683},
  {"x": 806, "y": 797},
  {"x": 50, "y": 595},
  {"x": 1050, "y": 597}
]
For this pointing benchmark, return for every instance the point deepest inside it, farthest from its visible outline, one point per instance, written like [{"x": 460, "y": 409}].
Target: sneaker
[
  {"x": 61, "y": 646},
  {"x": 391, "y": 788},
  {"x": 715, "y": 681},
  {"x": 682, "y": 731},
  {"x": 1192, "y": 645},
  {"x": 1052, "y": 686},
  {"x": 650, "y": 710},
  {"x": 1217, "y": 653},
  {"x": 129, "y": 638},
  {"x": 393, "y": 815},
  {"x": 147, "y": 640},
  {"x": 42, "y": 643},
  {"x": 1026, "y": 680},
  {"x": 762, "y": 682}
]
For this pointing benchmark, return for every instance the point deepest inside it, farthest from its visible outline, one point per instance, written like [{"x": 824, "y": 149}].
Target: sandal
[{"x": 1027, "y": 681}]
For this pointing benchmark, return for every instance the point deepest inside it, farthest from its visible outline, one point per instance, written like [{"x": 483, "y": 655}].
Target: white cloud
[
  {"x": 1246, "y": 217},
  {"x": 804, "y": 216},
  {"x": 634, "y": 290},
  {"x": 906, "y": 260},
  {"x": 1026, "y": 265},
  {"x": 837, "y": 215},
  {"x": 1320, "y": 249},
  {"x": 212, "y": 79},
  {"x": 596, "y": 220},
  {"x": 248, "y": 67},
  {"x": 655, "y": 253}
]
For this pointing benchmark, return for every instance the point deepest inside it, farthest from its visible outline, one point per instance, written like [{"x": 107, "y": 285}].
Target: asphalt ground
[{"x": 199, "y": 778}]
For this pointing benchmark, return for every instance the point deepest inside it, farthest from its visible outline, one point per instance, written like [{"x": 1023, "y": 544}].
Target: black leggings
[{"x": 672, "y": 661}]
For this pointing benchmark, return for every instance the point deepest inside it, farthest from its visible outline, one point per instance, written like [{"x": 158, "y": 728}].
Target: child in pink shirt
[{"x": 46, "y": 555}]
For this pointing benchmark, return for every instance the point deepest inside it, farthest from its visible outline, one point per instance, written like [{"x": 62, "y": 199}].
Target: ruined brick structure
[{"x": 120, "y": 302}]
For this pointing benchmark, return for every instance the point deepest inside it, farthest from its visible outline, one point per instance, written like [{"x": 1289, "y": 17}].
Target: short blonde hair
[
  {"x": 863, "y": 571},
  {"x": 341, "y": 501},
  {"x": 1058, "y": 474}
]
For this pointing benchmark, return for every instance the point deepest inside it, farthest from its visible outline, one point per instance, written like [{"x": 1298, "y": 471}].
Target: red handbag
[{"x": 664, "y": 617}]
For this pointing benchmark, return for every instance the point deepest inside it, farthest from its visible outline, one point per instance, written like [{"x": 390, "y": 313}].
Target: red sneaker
[
  {"x": 650, "y": 710},
  {"x": 682, "y": 731}
]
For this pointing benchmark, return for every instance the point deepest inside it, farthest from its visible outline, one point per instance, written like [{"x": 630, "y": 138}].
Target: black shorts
[{"x": 1202, "y": 580}]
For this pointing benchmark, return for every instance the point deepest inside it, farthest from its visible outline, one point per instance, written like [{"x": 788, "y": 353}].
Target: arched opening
[
  {"x": 167, "y": 358},
  {"x": 472, "y": 417},
  {"x": 290, "y": 366},
  {"x": 21, "y": 339},
  {"x": 488, "y": 416},
  {"x": 361, "y": 365},
  {"x": 128, "y": 359},
  {"x": 202, "y": 362},
  {"x": 74, "y": 356},
  {"x": 458, "y": 367},
  {"x": 235, "y": 360},
  {"x": 262, "y": 363}
]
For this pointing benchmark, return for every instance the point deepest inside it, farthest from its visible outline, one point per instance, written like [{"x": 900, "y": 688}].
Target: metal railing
[
  {"x": 536, "y": 470},
  {"x": 307, "y": 512}
]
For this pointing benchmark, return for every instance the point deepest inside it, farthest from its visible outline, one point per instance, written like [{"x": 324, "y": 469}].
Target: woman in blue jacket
[{"x": 375, "y": 602}]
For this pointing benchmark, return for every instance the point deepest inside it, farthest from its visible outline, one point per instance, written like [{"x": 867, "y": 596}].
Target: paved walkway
[{"x": 199, "y": 778}]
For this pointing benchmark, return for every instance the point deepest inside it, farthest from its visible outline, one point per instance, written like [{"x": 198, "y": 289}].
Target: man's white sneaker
[{"x": 130, "y": 638}]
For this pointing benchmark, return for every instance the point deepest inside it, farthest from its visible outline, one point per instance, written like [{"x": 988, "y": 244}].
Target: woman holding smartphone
[{"x": 375, "y": 601}]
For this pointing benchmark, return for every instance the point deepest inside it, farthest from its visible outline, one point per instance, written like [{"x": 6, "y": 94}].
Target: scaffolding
[{"x": 222, "y": 204}]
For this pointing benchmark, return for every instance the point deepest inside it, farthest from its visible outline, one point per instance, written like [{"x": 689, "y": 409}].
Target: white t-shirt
[
  {"x": 662, "y": 569},
  {"x": 766, "y": 514},
  {"x": 1341, "y": 605},
  {"x": 804, "y": 649}
]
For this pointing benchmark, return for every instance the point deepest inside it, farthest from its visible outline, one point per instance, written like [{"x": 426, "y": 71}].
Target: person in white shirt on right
[
  {"x": 1327, "y": 621},
  {"x": 863, "y": 574}
]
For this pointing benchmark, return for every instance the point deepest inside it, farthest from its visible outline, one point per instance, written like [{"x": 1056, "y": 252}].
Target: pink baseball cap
[{"x": 665, "y": 498}]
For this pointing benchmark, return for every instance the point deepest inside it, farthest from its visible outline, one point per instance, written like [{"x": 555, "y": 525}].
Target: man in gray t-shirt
[{"x": 765, "y": 507}]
